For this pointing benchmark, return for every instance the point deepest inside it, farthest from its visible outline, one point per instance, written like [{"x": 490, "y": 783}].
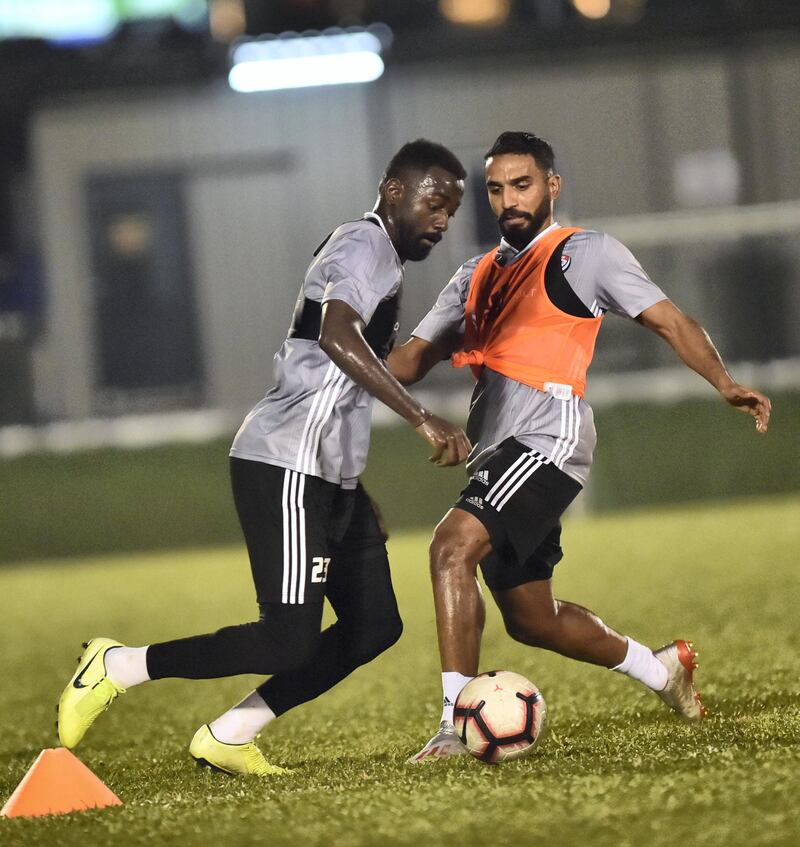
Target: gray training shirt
[
  {"x": 316, "y": 420},
  {"x": 606, "y": 278}
]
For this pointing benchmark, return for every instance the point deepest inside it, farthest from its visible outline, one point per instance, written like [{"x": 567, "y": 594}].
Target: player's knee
[
  {"x": 448, "y": 552},
  {"x": 518, "y": 631},
  {"x": 388, "y": 634},
  {"x": 375, "y": 638}
]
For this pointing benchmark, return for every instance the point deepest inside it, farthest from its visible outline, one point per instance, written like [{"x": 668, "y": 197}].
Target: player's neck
[{"x": 390, "y": 226}]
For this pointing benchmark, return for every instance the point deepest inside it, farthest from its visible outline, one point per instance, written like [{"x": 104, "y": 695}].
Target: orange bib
[{"x": 513, "y": 328}]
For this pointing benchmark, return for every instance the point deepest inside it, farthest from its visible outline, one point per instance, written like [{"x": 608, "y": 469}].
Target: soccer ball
[{"x": 500, "y": 716}]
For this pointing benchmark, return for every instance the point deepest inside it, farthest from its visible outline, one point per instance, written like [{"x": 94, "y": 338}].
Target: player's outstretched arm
[
  {"x": 692, "y": 343},
  {"x": 410, "y": 362},
  {"x": 341, "y": 337}
]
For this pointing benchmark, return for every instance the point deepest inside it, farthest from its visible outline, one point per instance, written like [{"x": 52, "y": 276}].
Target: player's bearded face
[
  {"x": 415, "y": 245},
  {"x": 520, "y": 227},
  {"x": 521, "y": 196}
]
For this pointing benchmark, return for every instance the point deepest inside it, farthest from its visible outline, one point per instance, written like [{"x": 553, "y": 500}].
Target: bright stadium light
[
  {"x": 593, "y": 9},
  {"x": 475, "y": 12},
  {"x": 329, "y": 58}
]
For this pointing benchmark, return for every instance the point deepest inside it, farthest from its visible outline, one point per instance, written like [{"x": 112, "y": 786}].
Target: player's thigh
[
  {"x": 285, "y": 517},
  {"x": 359, "y": 581}
]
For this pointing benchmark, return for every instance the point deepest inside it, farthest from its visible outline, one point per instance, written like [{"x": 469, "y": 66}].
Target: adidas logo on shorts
[
  {"x": 481, "y": 476},
  {"x": 475, "y": 501}
]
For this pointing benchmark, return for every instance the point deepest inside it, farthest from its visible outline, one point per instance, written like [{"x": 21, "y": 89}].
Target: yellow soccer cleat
[
  {"x": 88, "y": 694},
  {"x": 244, "y": 759}
]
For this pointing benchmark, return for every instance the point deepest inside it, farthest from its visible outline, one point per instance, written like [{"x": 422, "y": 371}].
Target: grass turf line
[{"x": 616, "y": 769}]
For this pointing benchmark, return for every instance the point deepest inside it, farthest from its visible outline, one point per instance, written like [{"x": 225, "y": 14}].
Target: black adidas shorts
[
  {"x": 519, "y": 496},
  {"x": 295, "y": 527}
]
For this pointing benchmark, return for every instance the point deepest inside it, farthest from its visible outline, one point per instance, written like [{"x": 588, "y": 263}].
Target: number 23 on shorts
[{"x": 319, "y": 572}]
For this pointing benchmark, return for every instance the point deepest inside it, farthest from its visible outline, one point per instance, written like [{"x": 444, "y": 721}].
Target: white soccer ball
[{"x": 500, "y": 716}]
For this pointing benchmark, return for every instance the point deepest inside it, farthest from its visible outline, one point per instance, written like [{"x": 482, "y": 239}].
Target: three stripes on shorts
[
  {"x": 514, "y": 478},
  {"x": 293, "y": 588},
  {"x": 528, "y": 463}
]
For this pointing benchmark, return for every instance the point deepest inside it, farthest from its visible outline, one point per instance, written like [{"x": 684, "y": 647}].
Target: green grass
[{"x": 616, "y": 769}]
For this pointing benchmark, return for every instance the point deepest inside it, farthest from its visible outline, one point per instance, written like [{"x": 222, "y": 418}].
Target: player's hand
[
  {"x": 450, "y": 443},
  {"x": 752, "y": 402}
]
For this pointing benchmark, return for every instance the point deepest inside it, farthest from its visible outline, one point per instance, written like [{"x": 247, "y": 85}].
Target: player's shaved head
[
  {"x": 525, "y": 144},
  {"x": 421, "y": 156}
]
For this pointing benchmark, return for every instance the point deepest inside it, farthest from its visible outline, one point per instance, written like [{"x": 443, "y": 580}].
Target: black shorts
[
  {"x": 295, "y": 527},
  {"x": 519, "y": 495}
]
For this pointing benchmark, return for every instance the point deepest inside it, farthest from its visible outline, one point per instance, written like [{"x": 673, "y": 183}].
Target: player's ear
[
  {"x": 554, "y": 186},
  {"x": 393, "y": 190}
]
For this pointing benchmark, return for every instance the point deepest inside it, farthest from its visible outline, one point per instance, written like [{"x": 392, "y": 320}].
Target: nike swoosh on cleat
[{"x": 77, "y": 681}]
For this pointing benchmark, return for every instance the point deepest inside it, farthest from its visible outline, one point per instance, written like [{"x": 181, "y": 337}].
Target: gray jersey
[
  {"x": 606, "y": 278},
  {"x": 316, "y": 420}
]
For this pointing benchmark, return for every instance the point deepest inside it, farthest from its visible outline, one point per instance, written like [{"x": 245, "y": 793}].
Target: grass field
[{"x": 617, "y": 768}]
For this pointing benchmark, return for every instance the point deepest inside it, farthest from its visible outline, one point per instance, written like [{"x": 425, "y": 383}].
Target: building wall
[{"x": 268, "y": 176}]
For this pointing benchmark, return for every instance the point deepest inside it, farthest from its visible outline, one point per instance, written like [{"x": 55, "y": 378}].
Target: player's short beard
[
  {"x": 519, "y": 237},
  {"x": 410, "y": 244}
]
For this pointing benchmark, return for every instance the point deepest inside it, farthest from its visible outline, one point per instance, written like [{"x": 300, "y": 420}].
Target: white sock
[
  {"x": 640, "y": 663},
  {"x": 452, "y": 683},
  {"x": 244, "y": 721},
  {"x": 127, "y": 666}
]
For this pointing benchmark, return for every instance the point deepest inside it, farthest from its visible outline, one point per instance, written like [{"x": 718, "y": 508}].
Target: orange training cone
[{"x": 58, "y": 782}]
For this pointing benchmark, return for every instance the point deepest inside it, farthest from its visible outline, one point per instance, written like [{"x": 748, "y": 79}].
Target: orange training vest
[{"x": 513, "y": 328}]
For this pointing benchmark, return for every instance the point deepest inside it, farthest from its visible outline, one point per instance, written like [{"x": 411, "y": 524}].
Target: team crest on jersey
[{"x": 566, "y": 261}]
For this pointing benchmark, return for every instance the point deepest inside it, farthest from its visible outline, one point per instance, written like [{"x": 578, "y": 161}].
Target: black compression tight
[
  {"x": 284, "y": 638},
  {"x": 368, "y": 623}
]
